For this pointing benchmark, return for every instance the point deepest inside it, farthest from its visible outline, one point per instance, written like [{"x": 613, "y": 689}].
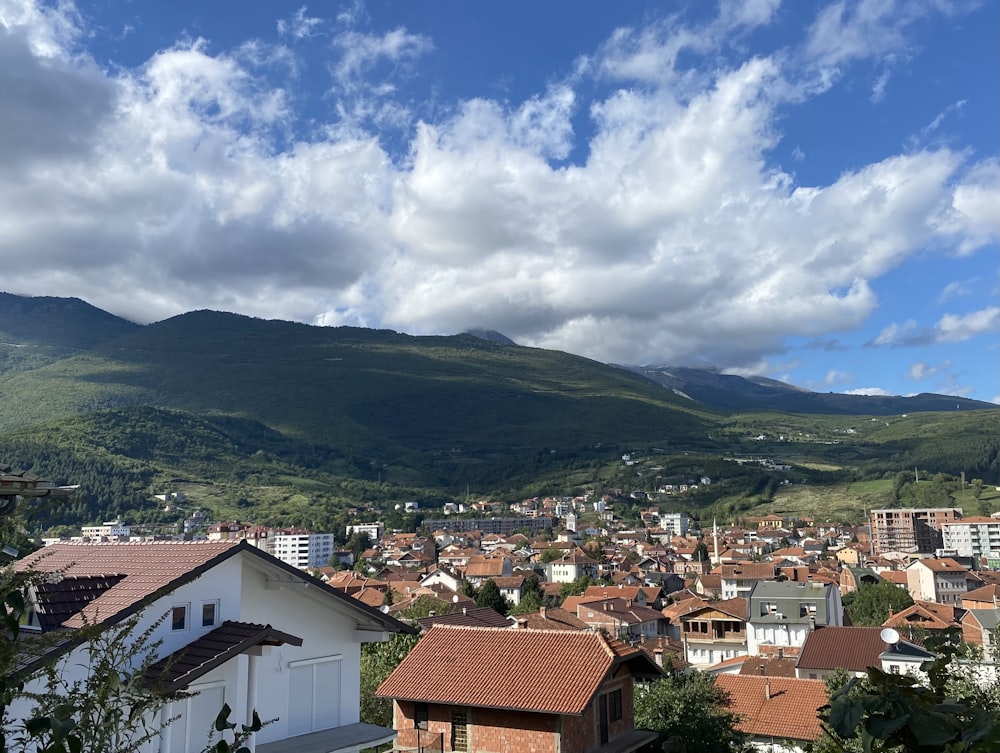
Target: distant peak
[{"x": 490, "y": 335}]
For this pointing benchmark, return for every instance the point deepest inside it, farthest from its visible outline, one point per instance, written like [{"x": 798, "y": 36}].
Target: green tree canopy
[
  {"x": 689, "y": 711},
  {"x": 489, "y": 596},
  {"x": 871, "y": 604},
  {"x": 377, "y": 662}
]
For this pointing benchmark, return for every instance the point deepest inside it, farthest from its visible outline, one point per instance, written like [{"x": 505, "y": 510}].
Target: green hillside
[{"x": 289, "y": 423}]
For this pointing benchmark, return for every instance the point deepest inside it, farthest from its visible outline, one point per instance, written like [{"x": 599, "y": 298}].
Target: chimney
[
  {"x": 760, "y": 669},
  {"x": 781, "y": 652},
  {"x": 767, "y": 691},
  {"x": 812, "y": 622},
  {"x": 658, "y": 656},
  {"x": 541, "y": 613}
]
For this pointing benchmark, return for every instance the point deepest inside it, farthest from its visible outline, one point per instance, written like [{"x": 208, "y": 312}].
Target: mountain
[
  {"x": 297, "y": 423},
  {"x": 43, "y": 329},
  {"x": 729, "y": 392}
]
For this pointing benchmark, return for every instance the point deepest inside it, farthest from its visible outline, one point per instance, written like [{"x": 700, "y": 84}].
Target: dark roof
[
  {"x": 56, "y": 601},
  {"x": 852, "y": 648},
  {"x": 468, "y": 617},
  {"x": 764, "y": 666},
  {"x": 181, "y": 668}
]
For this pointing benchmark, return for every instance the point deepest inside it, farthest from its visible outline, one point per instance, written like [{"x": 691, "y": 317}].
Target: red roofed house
[
  {"x": 227, "y": 605},
  {"x": 778, "y": 713},
  {"x": 511, "y": 691}
]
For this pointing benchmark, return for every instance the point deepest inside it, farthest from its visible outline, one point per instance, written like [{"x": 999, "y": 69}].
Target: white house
[
  {"x": 241, "y": 628},
  {"x": 783, "y": 613}
]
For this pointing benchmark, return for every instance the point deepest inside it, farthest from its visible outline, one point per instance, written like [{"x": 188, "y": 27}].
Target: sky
[{"x": 805, "y": 191}]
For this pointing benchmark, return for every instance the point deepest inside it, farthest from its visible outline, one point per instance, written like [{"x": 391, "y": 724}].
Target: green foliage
[
  {"x": 377, "y": 662},
  {"x": 576, "y": 587},
  {"x": 489, "y": 596},
  {"x": 689, "y": 711},
  {"x": 872, "y": 604},
  {"x": 888, "y": 712},
  {"x": 232, "y": 736}
]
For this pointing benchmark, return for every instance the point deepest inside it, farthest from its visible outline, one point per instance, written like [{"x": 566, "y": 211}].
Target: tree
[
  {"x": 872, "y": 604},
  {"x": 689, "y": 711},
  {"x": 576, "y": 587},
  {"x": 943, "y": 713},
  {"x": 377, "y": 662},
  {"x": 489, "y": 596},
  {"x": 532, "y": 597},
  {"x": 701, "y": 552}
]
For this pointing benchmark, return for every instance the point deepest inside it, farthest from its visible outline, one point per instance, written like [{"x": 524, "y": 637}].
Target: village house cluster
[{"x": 758, "y": 605}]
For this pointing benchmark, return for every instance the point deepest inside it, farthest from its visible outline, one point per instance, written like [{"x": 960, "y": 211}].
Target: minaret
[{"x": 715, "y": 542}]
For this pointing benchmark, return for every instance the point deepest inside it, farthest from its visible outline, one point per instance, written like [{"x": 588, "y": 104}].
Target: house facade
[
  {"x": 234, "y": 625},
  {"x": 465, "y": 689},
  {"x": 783, "y": 613}
]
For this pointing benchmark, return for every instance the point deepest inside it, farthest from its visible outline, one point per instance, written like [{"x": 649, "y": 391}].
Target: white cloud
[
  {"x": 675, "y": 240},
  {"x": 956, "y": 289},
  {"x": 300, "y": 25},
  {"x": 869, "y": 391},
  {"x": 954, "y": 328},
  {"x": 836, "y": 377},
  {"x": 894, "y": 334}
]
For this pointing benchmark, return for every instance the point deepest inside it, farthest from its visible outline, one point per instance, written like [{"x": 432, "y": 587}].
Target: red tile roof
[
  {"x": 147, "y": 568},
  {"x": 852, "y": 648},
  {"x": 500, "y": 668},
  {"x": 780, "y": 708}
]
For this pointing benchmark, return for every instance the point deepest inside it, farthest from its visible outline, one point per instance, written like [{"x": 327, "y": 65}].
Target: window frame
[{"x": 185, "y": 623}]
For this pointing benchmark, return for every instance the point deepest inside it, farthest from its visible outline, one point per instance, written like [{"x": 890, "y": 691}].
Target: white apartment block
[
  {"x": 677, "y": 522},
  {"x": 107, "y": 530},
  {"x": 973, "y": 537},
  {"x": 304, "y": 550},
  {"x": 374, "y": 530}
]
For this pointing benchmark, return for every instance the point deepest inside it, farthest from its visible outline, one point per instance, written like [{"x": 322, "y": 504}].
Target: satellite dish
[
  {"x": 384, "y": 609},
  {"x": 454, "y": 599},
  {"x": 889, "y": 635}
]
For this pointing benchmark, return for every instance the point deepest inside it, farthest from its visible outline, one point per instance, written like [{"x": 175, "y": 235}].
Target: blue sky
[{"x": 805, "y": 191}]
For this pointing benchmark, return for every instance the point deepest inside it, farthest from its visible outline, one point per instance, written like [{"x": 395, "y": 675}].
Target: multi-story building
[
  {"x": 911, "y": 530},
  {"x": 973, "y": 537},
  {"x": 676, "y": 522},
  {"x": 783, "y": 613},
  {"x": 941, "y": 580},
  {"x": 738, "y": 580},
  {"x": 303, "y": 549},
  {"x": 109, "y": 529}
]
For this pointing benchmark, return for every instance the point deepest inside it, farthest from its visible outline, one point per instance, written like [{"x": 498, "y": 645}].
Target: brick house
[{"x": 509, "y": 691}]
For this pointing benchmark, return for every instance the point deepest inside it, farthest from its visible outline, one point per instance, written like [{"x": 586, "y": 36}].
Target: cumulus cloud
[
  {"x": 869, "y": 391},
  {"x": 674, "y": 240},
  {"x": 950, "y": 328}
]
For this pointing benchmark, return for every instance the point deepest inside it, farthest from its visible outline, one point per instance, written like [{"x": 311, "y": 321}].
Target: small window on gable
[
  {"x": 209, "y": 613},
  {"x": 179, "y": 617}
]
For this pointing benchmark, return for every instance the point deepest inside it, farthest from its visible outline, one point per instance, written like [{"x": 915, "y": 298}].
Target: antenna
[{"x": 889, "y": 635}]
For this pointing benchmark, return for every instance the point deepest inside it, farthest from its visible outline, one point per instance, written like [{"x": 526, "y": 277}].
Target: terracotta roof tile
[
  {"x": 852, "y": 648},
  {"x": 488, "y": 667},
  {"x": 775, "y": 707},
  {"x": 146, "y": 568}
]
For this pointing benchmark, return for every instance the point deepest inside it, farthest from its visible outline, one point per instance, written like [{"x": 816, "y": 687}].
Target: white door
[
  {"x": 196, "y": 717},
  {"x": 314, "y": 695}
]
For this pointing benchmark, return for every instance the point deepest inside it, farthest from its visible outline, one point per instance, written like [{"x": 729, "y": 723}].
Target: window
[
  {"x": 209, "y": 613},
  {"x": 615, "y": 705},
  {"x": 421, "y": 715},
  {"x": 179, "y": 617}
]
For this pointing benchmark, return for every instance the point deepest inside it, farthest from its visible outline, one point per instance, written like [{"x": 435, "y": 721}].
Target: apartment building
[
  {"x": 941, "y": 580},
  {"x": 911, "y": 530},
  {"x": 973, "y": 537},
  {"x": 303, "y": 549}
]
